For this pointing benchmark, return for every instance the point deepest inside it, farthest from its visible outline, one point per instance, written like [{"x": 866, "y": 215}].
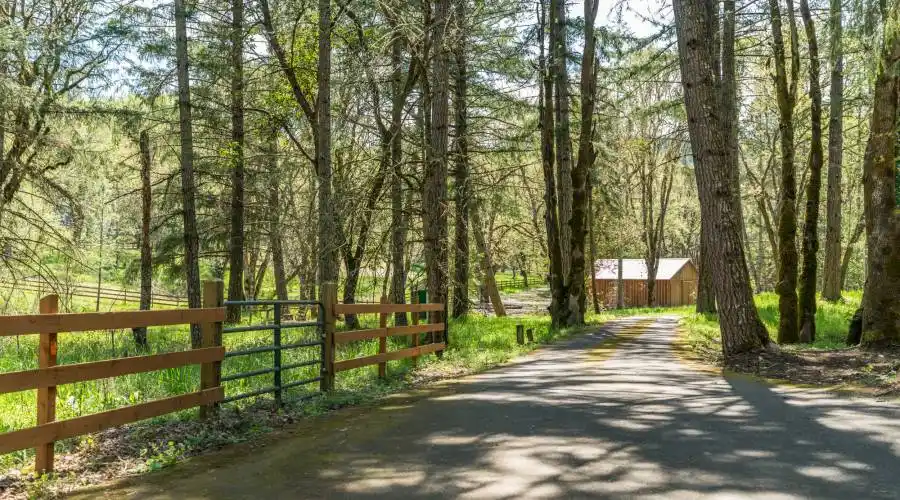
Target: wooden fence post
[
  {"x": 382, "y": 341},
  {"x": 415, "y": 336},
  {"x": 329, "y": 299},
  {"x": 211, "y": 336},
  {"x": 520, "y": 334},
  {"x": 46, "y": 397},
  {"x": 530, "y": 334}
]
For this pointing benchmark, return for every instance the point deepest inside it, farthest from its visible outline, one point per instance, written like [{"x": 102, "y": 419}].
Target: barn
[{"x": 676, "y": 282}]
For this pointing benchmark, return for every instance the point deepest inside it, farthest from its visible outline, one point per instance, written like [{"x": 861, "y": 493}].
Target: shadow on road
[{"x": 566, "y": 424}]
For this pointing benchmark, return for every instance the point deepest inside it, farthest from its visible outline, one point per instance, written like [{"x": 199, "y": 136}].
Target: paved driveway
[{"x": 571, "y": 421}]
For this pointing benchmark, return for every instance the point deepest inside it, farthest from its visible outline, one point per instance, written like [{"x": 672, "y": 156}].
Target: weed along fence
[
  {"x": 49, "y": 375},
  {"x": 308, "y": 359},
  {"x": 384, "y": 310},
  {"x": 278, "y": 327}
]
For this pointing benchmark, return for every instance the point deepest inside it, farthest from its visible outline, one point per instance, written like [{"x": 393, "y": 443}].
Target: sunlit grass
[
  {"x": 477, "y": 342},
  {"x": 701, "y": 332}
]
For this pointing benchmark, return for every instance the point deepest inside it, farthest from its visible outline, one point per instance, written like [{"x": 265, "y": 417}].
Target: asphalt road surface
[{"x": 570, "y": 421}]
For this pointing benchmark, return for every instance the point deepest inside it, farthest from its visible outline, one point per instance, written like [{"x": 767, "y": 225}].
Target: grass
[
  {"x": 477, "y": 342},
  {"x": 701, "y": 332}
]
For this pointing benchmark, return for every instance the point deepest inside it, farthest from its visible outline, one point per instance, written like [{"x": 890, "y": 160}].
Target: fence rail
[
  {"x": 210, "y": 355},
  {"x": 48, "y": 376},
  {"x": 90, "y": 292},
  {"x": 384, "y": 311}
]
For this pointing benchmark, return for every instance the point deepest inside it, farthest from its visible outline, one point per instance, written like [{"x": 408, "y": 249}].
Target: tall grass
[
  {"x": 832, "y": 320},
  {"x": 477, "y": 342}
]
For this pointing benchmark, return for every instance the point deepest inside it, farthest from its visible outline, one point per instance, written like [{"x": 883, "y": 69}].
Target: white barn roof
[{"x": 636, "y": 269}]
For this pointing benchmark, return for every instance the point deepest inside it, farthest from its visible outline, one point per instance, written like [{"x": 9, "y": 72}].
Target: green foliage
[
  {"x": 701, "y": 332},
  {"x": 159, "y": 457},
  {"x": 477, "y": 342}
]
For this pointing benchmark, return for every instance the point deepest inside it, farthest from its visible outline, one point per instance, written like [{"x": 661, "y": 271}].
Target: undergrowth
[
  {"x": 477, "y": 342},
  {"x": 700, "y": 332}
]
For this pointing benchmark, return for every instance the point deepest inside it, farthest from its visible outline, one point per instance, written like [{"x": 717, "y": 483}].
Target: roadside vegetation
[
  {"x": 828, "y": 361},
  {"x": 479, "y": 342}
]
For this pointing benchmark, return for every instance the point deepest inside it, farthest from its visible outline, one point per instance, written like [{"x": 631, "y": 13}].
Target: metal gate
[{"x": 243, "y": 368}]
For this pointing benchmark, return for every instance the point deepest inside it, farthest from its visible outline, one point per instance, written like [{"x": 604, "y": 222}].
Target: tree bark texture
[
  {"x": 706, "y": 293},
  {"x": 832, "y": 284},
  {"x": 810, "y": 248},
  {"x": 577, "y": 298},
  {"x": 461, "y": 169},
  {"x": 593, "y": 246},
  {"x": 487, "y": 264},
  {"x": 275, "y": 234},
  {"x": 236, "y": 242},
  {"x": 188, "y": 188},
  {"x": 327, "y": 221},
  {"x": 788, "y": 327},
  {"x": 551, "y": 213},
  {"x": 560, "y": 75},
  {"x": 434, "y": 186},
  {"x": 399, "y": 218},
  {"x": 140, "y": 334},
  {"x": 741, "y": 328},
  {"x": 881, "y": 296}
]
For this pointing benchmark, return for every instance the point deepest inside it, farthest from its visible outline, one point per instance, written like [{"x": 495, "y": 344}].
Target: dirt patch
[
  {"x": 853, "y": 369},
  {"x": 140, "y": 448}
]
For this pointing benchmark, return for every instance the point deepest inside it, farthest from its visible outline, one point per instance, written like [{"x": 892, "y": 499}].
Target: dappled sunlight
[
  {"x": 640, "y": 424},
  {"x": 563, "y": 424}
]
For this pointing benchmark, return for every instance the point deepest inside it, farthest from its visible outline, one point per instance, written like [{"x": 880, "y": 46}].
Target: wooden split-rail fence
[
  {"x": 210, "y": 355},
  {"x": 107, "y": 293}
]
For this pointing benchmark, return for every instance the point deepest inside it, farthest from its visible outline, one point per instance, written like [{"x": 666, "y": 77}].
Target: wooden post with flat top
[
  {"x": 382, "y": 341},
  {"x": 211, "y": 336},
  {"x": 46, "y": 397},
  {"x": 329, "y": 299},
  {"x": 415, "y": 321}
]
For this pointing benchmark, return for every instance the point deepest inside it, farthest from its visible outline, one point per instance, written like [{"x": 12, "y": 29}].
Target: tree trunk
[
  {"x": 354, "y": 252},
  {"x": 461, "y": 171},
  {"x": 729, "y": 95},
  {"x": 706, "y": 294},
  {"x": 810, "y": 248},
  {"x": 620, "y": 284},
  {"x": 236, "y": 243},
  {"x": 740, "y": 326},
  {"x": 593, "y": 248},
  {"x": 881, "y": 296},
  {"x": 327, "y": 236},
  {"x": 487, "y": 264},
  {"x": 652, "y": 267},
  {"x": 275, "y": 238},
  {"x": 319, "y": 119},
  {"x": 434, "y": 186},
  {"x": 577, "y": 299},
  {"x": 140, "y": 334},
  {"x": 788, "y": 328},
  {"x": 560, "y": 76},
  {"x": 551, "y": 214},
  {"x": 832, "y": 283},
  {"x": 399, "y": 225},
  {"x": 188, "y": 189}
]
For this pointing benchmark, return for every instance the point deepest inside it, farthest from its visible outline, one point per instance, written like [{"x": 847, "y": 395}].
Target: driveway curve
[{"x": 570, "y": 421}]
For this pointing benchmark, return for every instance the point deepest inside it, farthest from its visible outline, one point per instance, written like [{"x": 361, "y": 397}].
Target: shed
[{"x": 676, "y": 282}]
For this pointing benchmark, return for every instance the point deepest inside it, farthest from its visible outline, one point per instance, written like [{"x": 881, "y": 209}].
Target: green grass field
[
  {"x": 701, "y": 332},
  {"x": 477, "y": 343}
]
